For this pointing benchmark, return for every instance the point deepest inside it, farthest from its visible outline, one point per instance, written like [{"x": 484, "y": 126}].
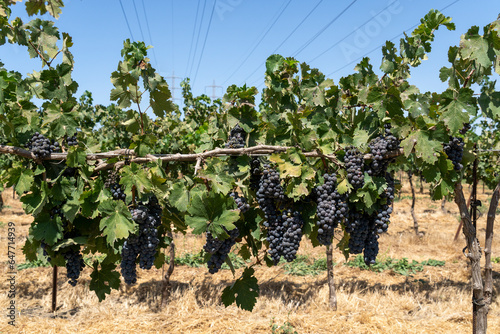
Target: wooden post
[
  {"x": 331, "y": 282},
  {"x": 474, "y": 255},
  {"x": 412, "y": 210},
  {"x": 54, "y": 288},
  {"x": 166, "y": 285},
  {"x": 488, "y": 271}
]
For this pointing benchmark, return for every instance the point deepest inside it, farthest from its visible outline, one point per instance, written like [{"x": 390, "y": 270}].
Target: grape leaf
[
  {"x": 244, "y": 291},
  {"x": 24, "y": 182},
  {"x": 456, "y": 110},
  {"x": 117, "y": 222},
  {"x": 70, "y": 242},
  {"x": 102, "y": 281},
  {"x": 46, "y": 229},
  {"x": 179, "y": 196},
  {"x": 211, "y": 208},
  {"x": 475, "y": 47}
]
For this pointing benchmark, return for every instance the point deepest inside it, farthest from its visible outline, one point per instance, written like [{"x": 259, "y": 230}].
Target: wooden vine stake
[
  {"x": 488, "y": 272},
  {"x": 54, "y": 288},
  {"x": 473, "y": 253},
  {"x": 332, "y": 300},
  {"x": 166, "y": 285},
  {"x": 412, "y": 210}
]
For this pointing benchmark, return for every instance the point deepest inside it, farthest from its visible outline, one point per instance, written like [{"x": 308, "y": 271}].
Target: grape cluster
[
  {"x": 74, "y": 265},
  {"x": 454, "y": 149},
  {"x": 44, "y": 249},
  {"x": 255, "y": 174},
  {"x": 269, "y": 185},
  {"x": 331, "y": 210},
  {"x": 112, "y": 183},
  {"x": 354, "y": 165},
  {"x": 283, "y": 222},
  {"x": 371, "y": 247},
  {"x": 42, "y": 147},
  {"x": 56, "y": 211},
  {"x": 72, "y": 141},
  {"x": 292, "y": 224},
  {"x": 379, "y": 147},
  {"x": 465, "y": 128},
  {"x": 212, "y": 244},
  {"x": 241, "y": 202},
  {"x": 236, "y": 137},
  {"x": 129, "y": 256},
  {"x": 275, "y": 232},
  {"x": 219, "y": 249},
  {"x": 144, "y": 243},
  {"x": 392, "y": 141},
  {"x": 389, "y": 191},
  {"x": 381, "y": 218},
  {"x": 357, "y": 224}
]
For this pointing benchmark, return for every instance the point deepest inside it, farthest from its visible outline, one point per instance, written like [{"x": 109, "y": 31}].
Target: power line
[
  {"x": 126, "y": 20},
  {"x": 346, "y": 36},
  {"x": 260, "y": 40},
  {"x": 323, "y": 29},
  {"x": 192, "y": 37},
  {"x": 173, "y": 36},
  {"x": 298, "y": 26},
  {"x": 204, "y": 42},
  {"x": 289, "y": 35},
  {"x": 198, "y": 36},
  {"x": 149, "y": 33},
  {"x": 378, "y": 47},
  {"x": 138, "y": 21}
]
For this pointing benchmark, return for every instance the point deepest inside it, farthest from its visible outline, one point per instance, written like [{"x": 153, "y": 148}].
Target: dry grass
[{"x": 436, "y": 300}]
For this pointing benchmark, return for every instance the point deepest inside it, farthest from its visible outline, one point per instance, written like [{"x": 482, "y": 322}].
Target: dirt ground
[{"x": 435, "y": 300}]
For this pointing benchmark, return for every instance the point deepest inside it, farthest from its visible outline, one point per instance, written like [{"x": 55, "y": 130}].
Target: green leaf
[
  {"x": 179, "y": 196},
  {"x": 457, "y": 110},
  {"x": 244, "y": 291},
  {"x": 36, "y": 200},
  {"x": 46, "y": 229},
  {"x": 117, "y": 222},
  {"x": 211, "y": 208},
  {"x": 34, "y": 7},
  {"x": 102, "y": 281},
  {"x": 217, "y": 173},
  {"x": 71, "y": 208},
  {"x": 135, "y": 175},
  {"x": 25, "y": 181},
  {"x": 273, "y": 63},
  {"x": 159, "y": 96},
  {"x": 475, "y": 47},
  {"x": 425, "y": 148},
  {"x": 70, "y": 242},
  {"x": 76, "y": 157}
]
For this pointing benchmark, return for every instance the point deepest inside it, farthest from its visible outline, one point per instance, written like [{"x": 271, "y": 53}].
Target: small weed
[
  {"x": 33, "y": 264},
  {"x": 495, "y": 260},
  {"x": 402, "y": 267},
  {"x": 286, "y": 328},
  {"x": 433, "y": 263},
  {"x": 303, "y": 266},
  {"x": 189, "y": 259},
  {"x": 196, "y": 260},
  {"x": 236, "y": 260}
]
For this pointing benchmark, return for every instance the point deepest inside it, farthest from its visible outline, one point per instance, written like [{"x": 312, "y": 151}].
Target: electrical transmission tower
[
  {"x": 214, "y": 87},
  {"x": 172, "y": 86}
]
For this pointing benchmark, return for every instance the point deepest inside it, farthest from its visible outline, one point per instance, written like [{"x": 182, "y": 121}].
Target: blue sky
[{"x": 329, "y": 35}]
